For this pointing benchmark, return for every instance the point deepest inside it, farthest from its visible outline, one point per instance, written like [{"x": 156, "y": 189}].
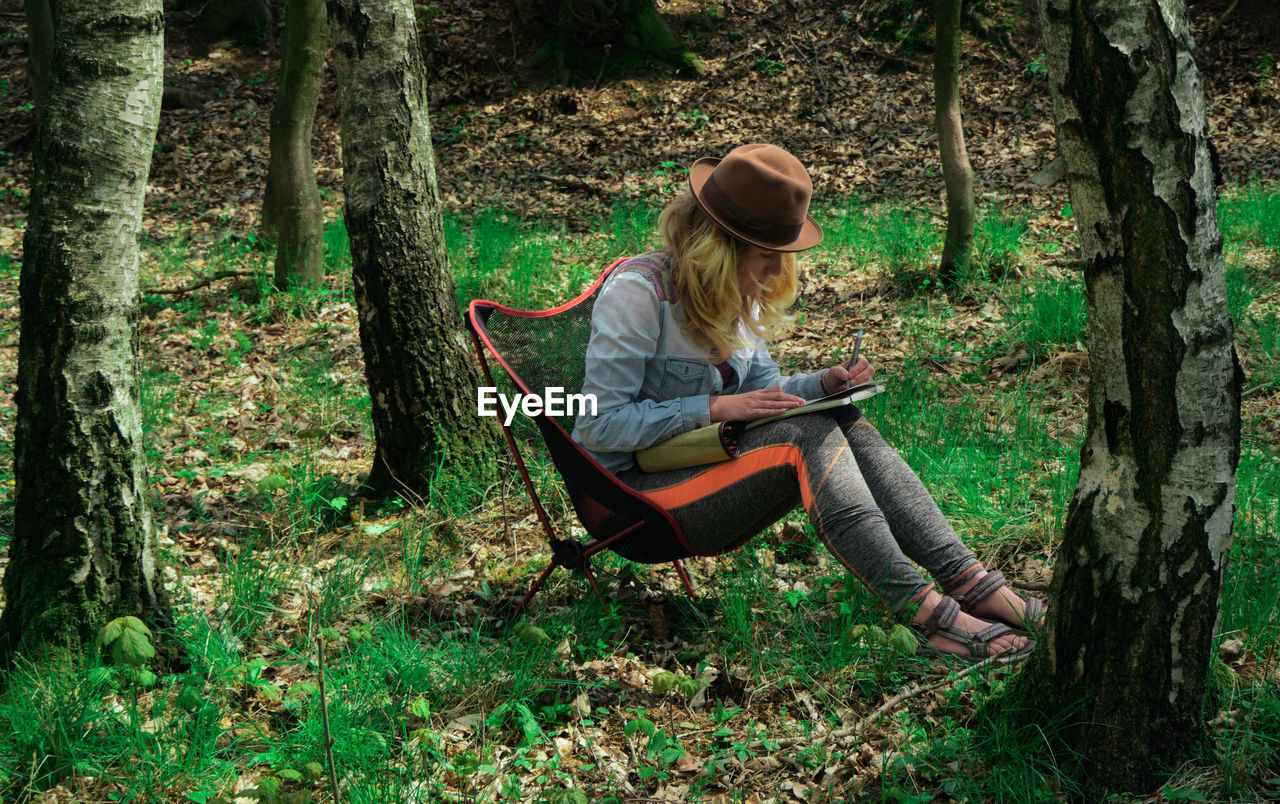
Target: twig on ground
[
  {"x": 1029, "y": 586},
  {"x": 865, "y": 47},
  {"x": 324, "y": 719},
  {"x": 889, "y": 706},
  {"x": 1257, "y": 389},
  {"x": 571, "y": 183},
  {"x": 812, "y": 59},
  {"x": 208, "y": 280}
]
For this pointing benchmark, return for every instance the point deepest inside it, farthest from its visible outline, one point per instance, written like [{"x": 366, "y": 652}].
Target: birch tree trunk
[
  {"x": 957, "y": 174},
  {"x": 291, "y": 212},
  {"x": 1137, "y": 579},
  {"x": 421, "y": 376},
  {"x": 82, "y": 549}
]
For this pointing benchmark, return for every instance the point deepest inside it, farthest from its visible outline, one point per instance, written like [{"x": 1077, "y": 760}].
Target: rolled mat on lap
[{"x": 705, "y": 445}]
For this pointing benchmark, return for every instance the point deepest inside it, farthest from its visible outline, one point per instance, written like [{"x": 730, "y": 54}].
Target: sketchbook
[{"x": 719, "y": 441}]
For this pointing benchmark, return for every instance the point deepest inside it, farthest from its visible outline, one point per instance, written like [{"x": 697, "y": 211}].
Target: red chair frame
[{"x": 608, "y": 509}]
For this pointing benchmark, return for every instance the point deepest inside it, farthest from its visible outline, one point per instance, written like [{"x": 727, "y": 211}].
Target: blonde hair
[{"x": 706, "y": 280}]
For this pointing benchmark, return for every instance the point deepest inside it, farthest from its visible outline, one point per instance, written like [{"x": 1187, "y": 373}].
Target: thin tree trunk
[
  {"x": 39, "y": 50},
  {"x": 82, "y": 549},
  {"x": 956, "y": 171},
  {"x": 291, "y": 212},
  {"x": 1137, "y": 578},
  {"x": 421, "y": 378}
]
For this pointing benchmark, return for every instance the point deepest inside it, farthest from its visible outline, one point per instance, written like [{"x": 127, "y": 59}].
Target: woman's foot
[
  {"x": 1000, "y": 603},
  {"x": 962, "y": 636}
]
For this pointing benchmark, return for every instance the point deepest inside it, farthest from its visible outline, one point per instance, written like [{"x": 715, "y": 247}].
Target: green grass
[
  {"x": 1047, "y": 313},
  {"x": 998, "y": 466},
  {"x": 431, "y": 692},
  {"x": 1251, "y": 214},
  {"x": 893, "y": 239},
  {"x": 997, "y": 241}
]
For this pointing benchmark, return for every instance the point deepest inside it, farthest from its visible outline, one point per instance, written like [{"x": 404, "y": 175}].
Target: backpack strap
[{"x": 656, "y": 267}]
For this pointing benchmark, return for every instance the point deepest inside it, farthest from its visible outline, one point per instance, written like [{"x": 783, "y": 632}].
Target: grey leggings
[{"x": 863, "y": 500}]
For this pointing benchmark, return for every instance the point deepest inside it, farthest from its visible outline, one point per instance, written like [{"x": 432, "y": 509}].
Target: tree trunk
[
  {"x": 82, "y": 549},
  {"x": 1148, "y": 531},
  {"x": 39, "y": 50},
  {"x": 421, "y": 377},
  {"x": 291, "y": 213},
  {"x": 956, "y": 171}
]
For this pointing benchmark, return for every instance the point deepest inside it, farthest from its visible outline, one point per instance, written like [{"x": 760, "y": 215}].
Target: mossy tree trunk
[
  {"x": 39, "y": 15},
  {"x": 421, "y": 376},
  {"x": 82, "y": 549},
  {"x": 1137, "y": 579},
  {"x": 291, "y": 212},
  {"x": 957, "y": 173}
]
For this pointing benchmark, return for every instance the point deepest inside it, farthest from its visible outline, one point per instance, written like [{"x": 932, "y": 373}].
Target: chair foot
[{"x": 684, "y": 576}]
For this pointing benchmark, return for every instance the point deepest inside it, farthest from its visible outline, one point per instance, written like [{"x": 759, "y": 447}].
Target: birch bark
[
  {"x": 82, "y": 549},
  {"x": 421, "y": 376},
  {"x": 1137, "y": 579}
]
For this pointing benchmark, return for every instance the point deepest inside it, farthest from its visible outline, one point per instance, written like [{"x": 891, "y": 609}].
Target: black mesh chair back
[{"x": 545, "y": 350}]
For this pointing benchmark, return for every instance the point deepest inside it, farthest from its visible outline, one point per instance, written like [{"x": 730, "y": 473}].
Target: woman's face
[{"x": 756, "y": 267}]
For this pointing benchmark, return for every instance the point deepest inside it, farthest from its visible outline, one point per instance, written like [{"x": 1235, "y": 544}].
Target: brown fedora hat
[{"x": 760, "y": 194}]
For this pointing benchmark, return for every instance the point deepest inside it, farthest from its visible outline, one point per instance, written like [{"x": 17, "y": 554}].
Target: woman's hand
[
  {"x": 752, "y": 405},
  {"x": 839, "y": 377}
]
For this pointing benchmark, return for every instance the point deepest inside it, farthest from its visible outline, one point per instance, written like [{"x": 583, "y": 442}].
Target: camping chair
[{"x": 547, "y": 349}]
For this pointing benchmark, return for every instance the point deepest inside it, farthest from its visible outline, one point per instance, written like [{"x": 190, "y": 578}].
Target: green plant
[
  {"x": 129, "y": 640},
  {"x": 890, "y": 645},
  {"x": 1266, "y": 69},
  {"x": 768, "y": 66},
  {"x": 694, "y": 120},
  {"x": 1036, "y": 68}
]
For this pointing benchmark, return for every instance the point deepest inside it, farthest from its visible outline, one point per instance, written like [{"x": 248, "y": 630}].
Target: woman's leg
[
  {"x": 802, "y": 459},
  {"x": 919, "y": 526}
]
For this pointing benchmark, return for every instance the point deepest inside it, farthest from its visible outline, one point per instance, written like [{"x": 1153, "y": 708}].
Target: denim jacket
[{"x": 651, "y": 379}]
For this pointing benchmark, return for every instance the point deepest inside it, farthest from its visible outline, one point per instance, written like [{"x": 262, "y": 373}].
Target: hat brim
[{"x": 810, "y": 232}]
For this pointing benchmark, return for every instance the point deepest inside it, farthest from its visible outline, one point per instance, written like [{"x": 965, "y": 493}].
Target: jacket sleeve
[
  {"x": 762, "y": 372},
  {"x": 625, "y": 326}
]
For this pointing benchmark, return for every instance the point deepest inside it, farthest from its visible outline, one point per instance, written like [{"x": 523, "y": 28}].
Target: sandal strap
[
  {"x": 981, "y": 590},
  {"x": 943, "y": 615},
  {"x": 942, "y": 621},
  {"x": 980, "y": 642}
]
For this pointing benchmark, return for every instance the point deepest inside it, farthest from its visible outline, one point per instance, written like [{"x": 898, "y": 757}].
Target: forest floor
[{"x": 757, "y": 690}]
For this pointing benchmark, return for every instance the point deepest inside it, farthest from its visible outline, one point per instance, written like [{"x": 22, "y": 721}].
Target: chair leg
[
  {"x": 533, "y": 590},
  {"x": 596, "y": 545},
  {"x": 684, "y": 576},
  {"x": 591, "y": 577}
]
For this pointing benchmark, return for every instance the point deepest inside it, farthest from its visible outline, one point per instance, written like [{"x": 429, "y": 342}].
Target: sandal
[
  {"x": 940, "y": 622},
  {"x": 1034, "y": 608}
]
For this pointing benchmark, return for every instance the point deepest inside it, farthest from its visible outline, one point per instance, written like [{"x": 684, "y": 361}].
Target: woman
[{"x": 677, "y": 342}]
